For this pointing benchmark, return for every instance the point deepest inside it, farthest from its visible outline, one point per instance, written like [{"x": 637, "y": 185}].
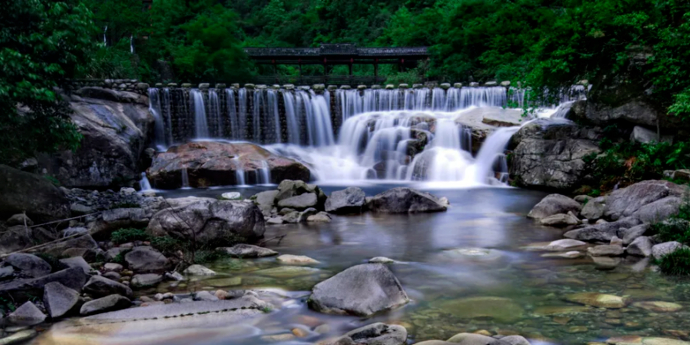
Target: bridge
[{"x": 336, "y": 54}]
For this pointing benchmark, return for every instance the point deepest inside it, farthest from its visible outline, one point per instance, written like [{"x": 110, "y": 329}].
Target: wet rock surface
[{"x": 216, "y": 164}]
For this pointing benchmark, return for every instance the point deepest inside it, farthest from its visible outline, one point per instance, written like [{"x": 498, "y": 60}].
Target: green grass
[
  {"x": 676, "y": 263},
  {"x": 128, "y": 235}
]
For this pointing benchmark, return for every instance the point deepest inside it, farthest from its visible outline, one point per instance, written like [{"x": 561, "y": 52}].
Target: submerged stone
[
  {"x": 287, "y": 271},
  {"x": 497, "y": 308},
  {"x": 599, "y": 300}
]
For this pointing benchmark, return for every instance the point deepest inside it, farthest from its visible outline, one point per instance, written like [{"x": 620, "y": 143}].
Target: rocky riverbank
[
  {"x": 612, "y": 226},
  {"x": 95, "y": 264}
]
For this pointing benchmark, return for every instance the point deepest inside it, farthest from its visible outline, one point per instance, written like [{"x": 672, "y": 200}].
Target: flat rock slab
[
  {"x": 176, "y": 323},
  {"x": 596, "y": 299}
]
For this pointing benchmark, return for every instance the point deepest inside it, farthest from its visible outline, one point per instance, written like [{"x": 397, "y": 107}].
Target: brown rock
[{"x": 215, "y": 164}]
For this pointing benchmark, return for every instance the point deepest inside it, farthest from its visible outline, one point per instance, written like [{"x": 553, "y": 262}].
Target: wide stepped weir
[{"x": 297, "y": 115}]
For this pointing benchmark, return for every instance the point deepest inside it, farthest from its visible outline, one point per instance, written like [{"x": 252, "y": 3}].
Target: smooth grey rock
[
  {"x": 6, "y": 272},
  {"x": 59, "y": 299},
  {"x": 28, "y": 265},
  {"x": 266, "y": 201},
  {"x": 593, "y": 210},
  {"x": 381, "y": 260},
  {"x": 199, "y": 270},
  {"x": 99, "y": 286},
  {"x": 105, "y": 304},
  {"x": 173, "y": 276},
  {"x": 349, "y": 200},
  {"x": 680, "y": 174},
  {"x": 204, "y": 296},
  {"x": 641, "y": 246},
  {"x": 77, "y": 261},
  {"x": 146, "y": 259},
  {"x": 215, "y": 222},
  {"x": 515, "y": 340},
  {"x": 605, "y": 250},
  {"x": 292, "y": 217},
  {"x": 602, "y": 232},
  {"x": 560, "y": 220},
  {"x": 472, "y": 339},
  {"x": 405, "y": 200},
  {"x": 564, "y": 244},
  {"x": 554, "y": 204},
  {"x": 629, "y": 235},
  {"x": 146, "y": 280},
  {"x": 321, "y": 217},
  {"x": 659, "y": 210},
  {"x": 248, "y": 251},
  {"x": 112, "y": 267},
  {"x": 26, "y": 315},
  {"x": 300, "y": 202},
  {"x": 643, "y": 135},
  {"x": 625, "y": 202},
  {"x": 662, "y": 249},
  {"x": 359, "y": 290}
]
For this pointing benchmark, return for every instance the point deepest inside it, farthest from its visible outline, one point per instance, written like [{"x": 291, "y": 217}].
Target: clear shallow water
[{"x": 465, "y": 270}]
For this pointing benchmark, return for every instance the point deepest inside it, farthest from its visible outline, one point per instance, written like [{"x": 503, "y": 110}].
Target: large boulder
[
  {"x": 551, "y": 155},
  {"x": 78, "y": 242},
  {"x": 28, "y": 265},
  {"x": 115, "y": 135},
  {"x": 662, "y": 249},
  {"x": 59, "y": 299},
  {"x": 348, "y": 200},
  {"x": 146, "y": 259},
  {"x": 119, "y": 218},
  {"x": 210, "y": 222},
  {"x": 554, "y": 204},
  {"x": 625, "y": 202},
  {"x": 360, "y": 290},
  {"x": 659, "y": 210},
  {"x": 24, "y": 289},
  {"x": 405, "y": 200},
  {"x": 217, "y": 164},
  {"x": 36, "y": 195}
]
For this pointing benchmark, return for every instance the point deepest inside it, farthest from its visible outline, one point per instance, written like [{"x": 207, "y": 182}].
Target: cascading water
[
  {"x": 420, "y": 134},
  {"x": 159, "y": 134},
  {"x": 144, "y": 183},
  {"x": 200, "y": 121}
]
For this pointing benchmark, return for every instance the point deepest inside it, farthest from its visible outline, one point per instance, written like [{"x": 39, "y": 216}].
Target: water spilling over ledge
[{"x": 354, "y": 135}]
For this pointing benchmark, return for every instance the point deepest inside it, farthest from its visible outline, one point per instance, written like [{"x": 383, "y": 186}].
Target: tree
[{"x": 43, "y": 43}]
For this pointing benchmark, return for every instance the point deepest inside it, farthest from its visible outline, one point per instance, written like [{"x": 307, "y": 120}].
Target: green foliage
[
  {"x": 676, "y": 263},
  {"x": 42, "y": 44},
  {"x": 627, "y": 162},
  {"x": 129, "y": 235},
  {"x": 166, "y": 244},
  {"x": 120, "y": 257},
  {"x": 7, "y": 305}
]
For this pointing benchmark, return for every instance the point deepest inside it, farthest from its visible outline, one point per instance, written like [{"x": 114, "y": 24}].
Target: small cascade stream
[{"x": 350, "y": 136}]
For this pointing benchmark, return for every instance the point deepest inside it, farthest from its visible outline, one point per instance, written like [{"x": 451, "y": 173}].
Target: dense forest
[{"x": 642, "y": 45}]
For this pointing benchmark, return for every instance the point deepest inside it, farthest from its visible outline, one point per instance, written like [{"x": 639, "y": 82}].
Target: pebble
[{"x": 300, "y": 333}]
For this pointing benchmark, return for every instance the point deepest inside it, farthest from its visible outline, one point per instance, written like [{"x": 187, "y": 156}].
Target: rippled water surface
[{"x": 465, "y": 270}]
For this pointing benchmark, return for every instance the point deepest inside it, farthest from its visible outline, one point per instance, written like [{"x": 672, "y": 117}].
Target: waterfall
[
  {"x": 263, "y": 174},
  {"x": 214, "y": 113},
  {"x": 131, "y": 44},
  {"x": 105, "y": 41},
  {"x": 185, "y": 178},
  {"x": 417, "y": 134},
  {"x": 200, "y": 121},
  {"x": 144, "y": 183},
  {"x": 293, "y": 124},
  {"x": 159, "y": 133}
]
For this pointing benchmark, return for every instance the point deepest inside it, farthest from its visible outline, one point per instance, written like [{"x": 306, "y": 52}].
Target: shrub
[
  {"x": 166, "y": 244},
  {"x": 128, "y": 235},
  {"x": 676, "y": 263}
]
